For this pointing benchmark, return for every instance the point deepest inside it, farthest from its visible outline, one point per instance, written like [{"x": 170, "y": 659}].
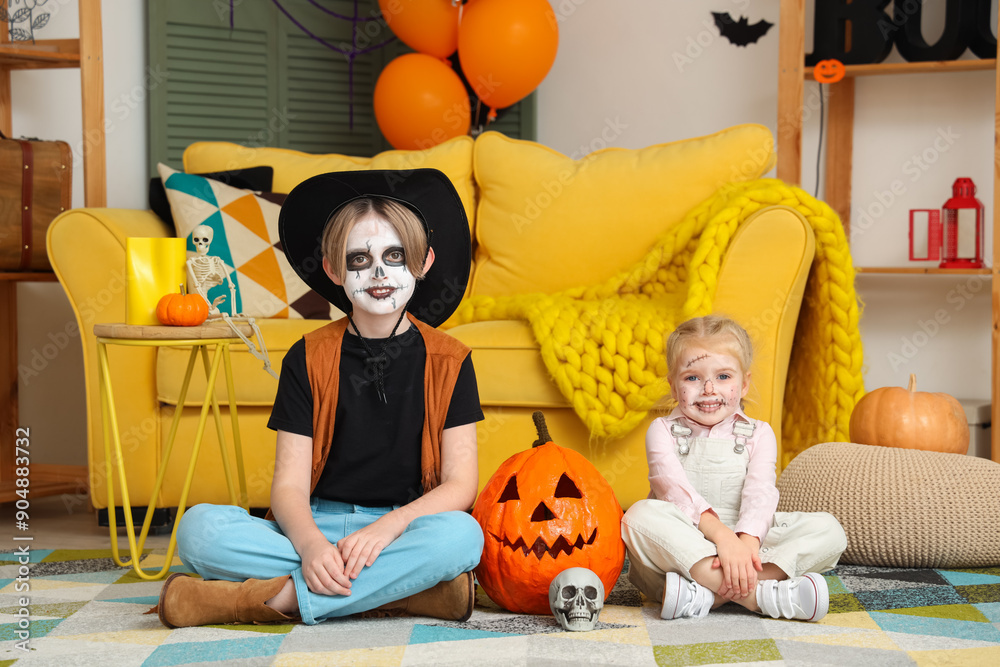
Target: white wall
[
  {"x": 658, "y": 71},
  {"x": 627, "y": 74}
]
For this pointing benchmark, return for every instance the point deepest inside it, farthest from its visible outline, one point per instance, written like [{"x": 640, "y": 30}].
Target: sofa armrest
[
  {"x": 87, "y": 250},
  {"x": 761, "y": 284}
]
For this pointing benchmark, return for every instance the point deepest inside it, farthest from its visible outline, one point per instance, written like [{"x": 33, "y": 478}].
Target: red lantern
[
  {"x": 955, "y": 233},
  {"x": 963, "y": 227}
]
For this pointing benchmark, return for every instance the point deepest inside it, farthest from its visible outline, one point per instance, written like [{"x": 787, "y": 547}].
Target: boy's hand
[
  {"x": 362, "y": 547},
  {"x": 740, "y": 562},
  {"x": 323, "y": 569}
]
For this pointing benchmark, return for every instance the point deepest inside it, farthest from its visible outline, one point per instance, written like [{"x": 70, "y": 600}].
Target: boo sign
[{"x": 857, "y": 32}]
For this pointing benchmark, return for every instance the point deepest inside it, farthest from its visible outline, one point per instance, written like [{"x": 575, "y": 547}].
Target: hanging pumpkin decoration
[
  {"x": 910, "y": 419},
  {"x": 182, "y": 309},
  {"x": 829, "y": 71},
  {"x": 543, "y": 511}
]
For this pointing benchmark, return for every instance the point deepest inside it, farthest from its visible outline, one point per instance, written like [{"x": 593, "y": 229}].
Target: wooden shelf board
[
  {"x": 40, "y": 487},
  {"x": 53, "y": 53},
  {"x": 47, "y": 479},
  {"x": 900, "y": 270},
  {"x": 879, "y": 69},
  {"x": 29, "y": 276}
]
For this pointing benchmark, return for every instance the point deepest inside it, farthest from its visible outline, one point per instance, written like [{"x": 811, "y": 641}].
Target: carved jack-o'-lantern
[{"x": 543, "y": 511}]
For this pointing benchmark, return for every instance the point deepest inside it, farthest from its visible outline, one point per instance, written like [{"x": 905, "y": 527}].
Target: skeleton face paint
[
  {"x": 377, "y": 281},
  {"x": 202, "y": 236},
  {"x": 576, "y": 598},
  {"x": 708, "y": 385}
]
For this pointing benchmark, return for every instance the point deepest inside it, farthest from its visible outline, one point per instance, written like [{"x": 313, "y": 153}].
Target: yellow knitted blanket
[{"x": 604, "y": 344}]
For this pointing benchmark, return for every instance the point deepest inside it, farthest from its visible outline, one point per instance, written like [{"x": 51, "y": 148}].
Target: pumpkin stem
[
  {"x": 183, "y": 291},
  {"x": 913, "y": 383},
  {"x": 543, "y": 430}
]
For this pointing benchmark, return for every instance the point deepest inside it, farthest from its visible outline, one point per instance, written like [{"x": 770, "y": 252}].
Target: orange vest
[{"x": 444, "y": 360}]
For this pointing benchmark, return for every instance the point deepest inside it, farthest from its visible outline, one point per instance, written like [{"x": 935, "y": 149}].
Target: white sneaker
[
  {"x": 685, "y": 598},
  {"x": 804, "y": 598}
]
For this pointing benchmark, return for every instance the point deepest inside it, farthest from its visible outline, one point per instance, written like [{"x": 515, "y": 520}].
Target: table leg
[
  {"x": 167, "y": 452},
  {"x": 196, "y": 449},
  {"x": 237, "y": 443},
  {"x": 210, "y": 392},
  {"x": 109, "y": 422}
]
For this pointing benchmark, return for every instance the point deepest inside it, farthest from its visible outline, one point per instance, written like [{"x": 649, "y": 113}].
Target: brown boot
[
  {"x": 449, "y": 600},
  {"x": 186, "y": 601}
]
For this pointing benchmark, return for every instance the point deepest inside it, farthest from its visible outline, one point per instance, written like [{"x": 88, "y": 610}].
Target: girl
[
  {"x": 375, "y": 417},
  {"x": 709, "y": 533}
]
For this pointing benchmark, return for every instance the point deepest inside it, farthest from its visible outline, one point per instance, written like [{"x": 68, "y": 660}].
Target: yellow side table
[{"x": 199, "y": 339}]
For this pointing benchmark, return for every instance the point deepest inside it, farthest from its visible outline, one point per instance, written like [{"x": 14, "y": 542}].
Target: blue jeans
[{"x": 225, "y": 542}]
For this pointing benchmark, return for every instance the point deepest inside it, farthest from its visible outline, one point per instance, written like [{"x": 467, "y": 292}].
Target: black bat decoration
[{"x": 740, "y": 32}]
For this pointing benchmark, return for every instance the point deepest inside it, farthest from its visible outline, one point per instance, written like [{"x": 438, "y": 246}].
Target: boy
[{"x": 375, "y": 418}]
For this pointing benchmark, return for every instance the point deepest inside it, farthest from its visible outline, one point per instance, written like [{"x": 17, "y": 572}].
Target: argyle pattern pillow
[{"x": 245, "y": 237}]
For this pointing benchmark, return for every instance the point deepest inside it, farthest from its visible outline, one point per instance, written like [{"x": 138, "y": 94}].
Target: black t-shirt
[{"x": 375, "y": 454}]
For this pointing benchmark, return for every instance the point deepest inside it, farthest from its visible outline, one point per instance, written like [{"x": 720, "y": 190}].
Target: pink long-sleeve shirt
[{"x": 668, "y": 481}]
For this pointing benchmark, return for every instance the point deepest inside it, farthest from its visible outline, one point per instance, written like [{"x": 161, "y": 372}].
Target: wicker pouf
[{"x": 901, "y": 507}]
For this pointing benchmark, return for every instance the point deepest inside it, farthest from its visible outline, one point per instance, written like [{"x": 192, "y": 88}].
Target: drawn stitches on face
[{"x": 545, "y": 510}]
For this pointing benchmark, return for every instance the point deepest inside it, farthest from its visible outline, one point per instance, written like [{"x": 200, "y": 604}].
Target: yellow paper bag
[{"x": 153, "y": 268}]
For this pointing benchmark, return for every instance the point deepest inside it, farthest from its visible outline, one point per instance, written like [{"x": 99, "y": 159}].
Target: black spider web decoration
[{"x": 351, "y": 54}]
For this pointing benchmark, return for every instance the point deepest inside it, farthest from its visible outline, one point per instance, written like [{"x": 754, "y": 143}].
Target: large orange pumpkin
[
  {"x": 182, "y": 310},
  {"x": 910, "y": 419},
  {"x": 545, "y": 510}
]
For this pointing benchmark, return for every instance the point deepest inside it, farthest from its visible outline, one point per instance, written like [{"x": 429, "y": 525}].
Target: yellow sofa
[{"x": 540, "y": 222}]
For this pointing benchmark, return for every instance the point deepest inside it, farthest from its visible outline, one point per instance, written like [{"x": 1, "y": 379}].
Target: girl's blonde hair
[
  {"x": 408, "y": 227},
  {"x": 714, "y": 332}
]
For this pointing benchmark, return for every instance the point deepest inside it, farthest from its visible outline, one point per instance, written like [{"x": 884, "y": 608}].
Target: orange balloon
[
  {"x": 420, "y": 102},
  {"x": 427, "y": 26},
  {"x": 506, "y": 48}
]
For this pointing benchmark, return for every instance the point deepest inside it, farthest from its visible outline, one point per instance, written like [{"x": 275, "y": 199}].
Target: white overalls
[{"x": 661, "y": 538}]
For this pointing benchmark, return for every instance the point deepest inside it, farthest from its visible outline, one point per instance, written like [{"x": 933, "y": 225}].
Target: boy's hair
[
  {"x": 406, "y": 223},
  {"x": 712, "y": 331}
]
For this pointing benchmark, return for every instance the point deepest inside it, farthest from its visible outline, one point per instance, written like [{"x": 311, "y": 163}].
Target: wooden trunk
[{"x": 35, "y": 187}]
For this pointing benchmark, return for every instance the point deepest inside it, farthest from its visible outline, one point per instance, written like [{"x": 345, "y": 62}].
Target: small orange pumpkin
[
  {"x": 829, "y": 71},
  {"x": 543, "y": 511},
  {"x": 182, "y": 310},
  {"x": 910, "y": 419}
]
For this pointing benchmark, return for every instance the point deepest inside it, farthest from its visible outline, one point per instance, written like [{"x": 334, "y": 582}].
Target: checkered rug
[{"x": 85, "y": 611}]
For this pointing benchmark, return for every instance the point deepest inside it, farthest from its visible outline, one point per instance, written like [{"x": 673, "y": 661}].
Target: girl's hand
[
  {"x": 323, "y": 569},
  {"x": 362, "y": 547},
  {"x": 740, "y": 564}
]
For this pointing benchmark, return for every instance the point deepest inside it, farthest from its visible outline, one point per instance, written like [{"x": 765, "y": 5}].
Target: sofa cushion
[
  {"x": 257, "y": 179},
  {"x": 452, "y": 157},
  {"x": 253, "y": 385},
  {"x": 245, "y": 237},
  {"x": 545, "y": 220},
  {"x": 509, "y": 367}
]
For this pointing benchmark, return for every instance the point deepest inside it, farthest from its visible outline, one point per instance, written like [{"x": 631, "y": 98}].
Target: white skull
[
  {"x": 202, "y": 236},
  {"x": 576, "y": 597}
]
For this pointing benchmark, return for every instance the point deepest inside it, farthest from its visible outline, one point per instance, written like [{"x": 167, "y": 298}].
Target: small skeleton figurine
[
  {"x": 576, "y": 598},
  {"x": 206, "y": 271}
]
